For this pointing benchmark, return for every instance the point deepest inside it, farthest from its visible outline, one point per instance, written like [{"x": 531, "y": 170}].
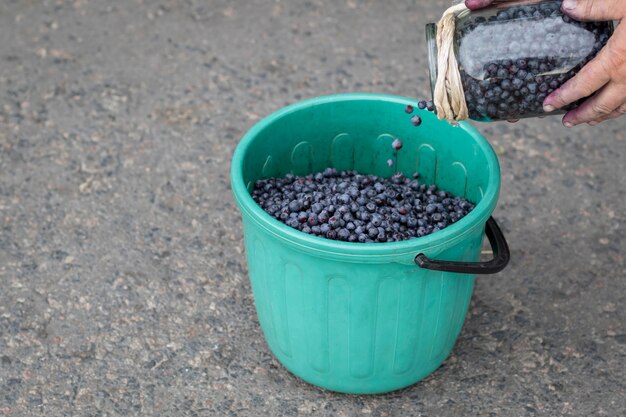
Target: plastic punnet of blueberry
[
  {"x": 353, "y": 207},
  {"x": 511, "y": 57}
]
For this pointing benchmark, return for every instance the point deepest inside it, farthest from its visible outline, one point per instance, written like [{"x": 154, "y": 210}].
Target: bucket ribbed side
[{"x": 342, "y": 325}]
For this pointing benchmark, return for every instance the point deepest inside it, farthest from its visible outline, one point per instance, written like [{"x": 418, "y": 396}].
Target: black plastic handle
[{"x": 501, "y": 256}]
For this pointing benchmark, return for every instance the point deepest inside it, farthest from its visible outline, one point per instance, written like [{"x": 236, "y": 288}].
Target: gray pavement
[{"x": 123, "y": 285}]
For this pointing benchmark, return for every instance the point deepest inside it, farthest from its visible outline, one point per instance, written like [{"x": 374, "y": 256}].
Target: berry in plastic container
[{"x": 513, "y": 55}]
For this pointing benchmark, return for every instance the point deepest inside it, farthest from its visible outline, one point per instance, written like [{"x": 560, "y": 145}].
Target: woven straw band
[{"x": 449, "y": 96}]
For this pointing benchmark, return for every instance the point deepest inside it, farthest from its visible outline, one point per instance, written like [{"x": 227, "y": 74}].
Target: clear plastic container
[{"x": 513, "y": 55}]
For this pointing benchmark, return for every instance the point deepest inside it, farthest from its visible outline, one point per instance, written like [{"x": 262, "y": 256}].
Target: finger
[
  {"x": 477, "y": 4},
  {"x": 594, "y": 9},
  {"x": 590, "y": 79},
  {"x": 620, "y": 112},
  {"x": 608, "y": 100},
  {"x": 598, "y": 107}
]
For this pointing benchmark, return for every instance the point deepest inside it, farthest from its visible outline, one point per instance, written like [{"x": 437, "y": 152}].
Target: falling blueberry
[
  {"x": 397, "y": 144},
  {"x": 416, "y": 120},
  {"x": 422, "y": 104},
  {"x": 409, "y": 109}
]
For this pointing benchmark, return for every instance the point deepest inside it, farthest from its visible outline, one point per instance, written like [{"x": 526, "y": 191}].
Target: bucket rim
[{"x": 363, "y": 251}]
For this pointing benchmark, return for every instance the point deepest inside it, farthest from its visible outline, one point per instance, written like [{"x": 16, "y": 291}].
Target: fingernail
[
  {"x": 568, "y": 124},
  {"x": 548, "y": 108},
  {"x": 569, "y": 4}
]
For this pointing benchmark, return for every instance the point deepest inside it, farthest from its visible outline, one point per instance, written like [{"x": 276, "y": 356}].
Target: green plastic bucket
[{"x": 355, "y": 317}]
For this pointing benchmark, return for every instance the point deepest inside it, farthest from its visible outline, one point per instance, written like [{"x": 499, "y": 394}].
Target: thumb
[
  {"x": 477, "y": 4},
  {"x": 594, "y": 9}
]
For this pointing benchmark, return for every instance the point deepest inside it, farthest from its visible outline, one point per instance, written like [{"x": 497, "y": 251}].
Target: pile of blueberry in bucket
[
  {"x": 351, "y": 207},
  {"x": 511, "y": 61}
]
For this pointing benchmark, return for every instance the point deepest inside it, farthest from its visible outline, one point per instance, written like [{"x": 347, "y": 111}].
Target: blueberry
[
  {"x": 416, "y": 120},
  {"x": 352, "y": 207},
  {"x": 334, "y": 222},
  {"x": 343, "y": 199},
  {"x": 397, "y": 144},
  {"x": 408, "y": 109},
  {"x": 422, "y": 104},
  {"x": 343, "y": 234},
  {"x": 317, "y": 208},
  {"x": 343, "y": 209},
  {"x": 502, "y": 16},
  {"x": 517, "y": 83}
]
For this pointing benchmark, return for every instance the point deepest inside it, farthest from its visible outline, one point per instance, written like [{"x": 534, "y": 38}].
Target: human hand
[
  {"x": 604, "y": 78},
  {"x": 478, "y": 4}
]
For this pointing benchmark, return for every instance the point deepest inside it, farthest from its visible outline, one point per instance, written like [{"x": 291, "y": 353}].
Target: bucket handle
[{"x": 501, "y": 256}]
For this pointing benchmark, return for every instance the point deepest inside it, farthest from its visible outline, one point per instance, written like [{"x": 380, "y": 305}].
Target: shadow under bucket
[{"x": 365, "y": 317}]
